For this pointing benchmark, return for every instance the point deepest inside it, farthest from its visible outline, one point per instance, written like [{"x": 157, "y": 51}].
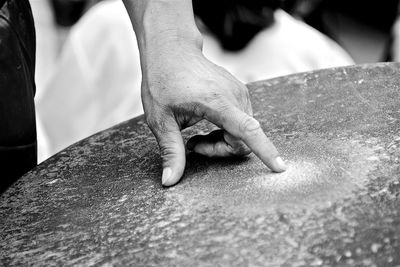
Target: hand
[{"x": 180, "y": 87}]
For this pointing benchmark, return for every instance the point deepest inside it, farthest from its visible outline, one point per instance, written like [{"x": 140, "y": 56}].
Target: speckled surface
[{"x": 100, "y": 202}]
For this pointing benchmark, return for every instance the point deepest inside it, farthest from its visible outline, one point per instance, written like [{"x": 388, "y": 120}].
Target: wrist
[{"x": 166, "y": 23}]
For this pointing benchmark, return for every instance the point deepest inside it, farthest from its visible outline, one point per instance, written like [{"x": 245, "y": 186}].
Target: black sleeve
[{"x": 17, "y": 89}]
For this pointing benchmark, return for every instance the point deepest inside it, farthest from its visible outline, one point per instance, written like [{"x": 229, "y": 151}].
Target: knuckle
[
  {"x": 242, "y": 90},
  {"x": 249, "y": 126},
  {"x": 207, "y": 150},
  {"x": 150, "y": 120},
  {"x": 213, "y": 151},
  {"x": 168, "y": 152},
  {"x": 222, "y": 107},
  {"x": 212, "y": 85},
  {"x": 157, "y": 121},
  {"x": 153, "y": 123},
  {"x": 213, "y": 99},
  {"x": 213, "y": 91}
]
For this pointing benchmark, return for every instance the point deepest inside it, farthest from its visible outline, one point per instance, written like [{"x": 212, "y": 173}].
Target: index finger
[{"x": 248, "y": 129}]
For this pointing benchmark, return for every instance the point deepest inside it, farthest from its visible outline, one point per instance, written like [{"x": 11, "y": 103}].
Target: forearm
[
  {"x": 180, "y": 87},
  {"x": 162, "y": 22}
]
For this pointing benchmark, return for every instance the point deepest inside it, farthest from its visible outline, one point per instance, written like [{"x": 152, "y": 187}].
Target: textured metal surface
[{"x": 101, "y": 200}]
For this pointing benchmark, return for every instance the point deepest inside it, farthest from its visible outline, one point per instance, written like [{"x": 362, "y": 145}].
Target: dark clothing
[
  {"x": 235, "y": 22},
  {"x": 17, "y": 88}
]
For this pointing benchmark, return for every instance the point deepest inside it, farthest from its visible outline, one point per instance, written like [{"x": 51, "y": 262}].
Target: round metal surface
[{"x": 100, "y": 201}]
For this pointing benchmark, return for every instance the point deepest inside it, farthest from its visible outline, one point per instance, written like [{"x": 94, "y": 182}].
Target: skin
[{"x": 180, "y": 87}]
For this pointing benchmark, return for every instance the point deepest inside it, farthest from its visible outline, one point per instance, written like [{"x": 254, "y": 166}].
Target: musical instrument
[{"x": 101, "y": 201}]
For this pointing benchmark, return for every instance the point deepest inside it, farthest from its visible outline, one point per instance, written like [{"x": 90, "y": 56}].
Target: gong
[{"x": 101, "y": 202}]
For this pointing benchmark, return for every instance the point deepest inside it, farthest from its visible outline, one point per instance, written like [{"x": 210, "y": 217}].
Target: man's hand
[{"x": 180, "y": 87}]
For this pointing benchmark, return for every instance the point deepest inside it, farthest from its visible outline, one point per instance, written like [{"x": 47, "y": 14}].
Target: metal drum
[{"x": 101, "y": 202}]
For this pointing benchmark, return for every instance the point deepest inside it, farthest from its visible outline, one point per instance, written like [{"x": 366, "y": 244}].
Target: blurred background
[{"x": 88, "y": 72}]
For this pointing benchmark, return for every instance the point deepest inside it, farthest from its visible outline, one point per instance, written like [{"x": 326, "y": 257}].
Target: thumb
[{"x": 172, "y": 149}]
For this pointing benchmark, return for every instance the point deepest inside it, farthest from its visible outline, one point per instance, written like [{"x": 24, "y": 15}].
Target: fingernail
[
  {"x": 280, "y": 164},
  {"x": 166, "y": 175}
]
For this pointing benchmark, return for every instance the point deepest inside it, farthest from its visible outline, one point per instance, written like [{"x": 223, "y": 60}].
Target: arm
[{"x": 181, "y": 87}]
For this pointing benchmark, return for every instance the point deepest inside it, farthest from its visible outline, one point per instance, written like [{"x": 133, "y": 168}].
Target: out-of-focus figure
[
  {"x": 395, "y": 48},
  {"x": 365, "y": 28},
  {"x": 96, "y": 82},
  {"x": 257, "y": 40},
  {"x": 395, "y": 31}
]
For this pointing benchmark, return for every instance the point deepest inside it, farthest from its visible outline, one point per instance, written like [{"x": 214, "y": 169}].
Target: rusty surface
[{"x": 100, "y": 201}]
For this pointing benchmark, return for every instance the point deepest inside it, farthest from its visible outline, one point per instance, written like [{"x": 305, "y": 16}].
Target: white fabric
[
  {"x": 289, "y": 46},
  {"x": 97, "y": 81},
  {"x": 396, "y": 40}
]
